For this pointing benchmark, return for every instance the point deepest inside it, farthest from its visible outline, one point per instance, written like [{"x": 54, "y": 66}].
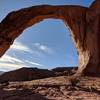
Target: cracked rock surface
[{"x": 54, "y": 88}]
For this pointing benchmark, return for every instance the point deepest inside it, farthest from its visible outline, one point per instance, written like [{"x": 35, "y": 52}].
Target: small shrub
[
  {"x": 4, "y": 82},
  {"x": 74, "y": 81}
]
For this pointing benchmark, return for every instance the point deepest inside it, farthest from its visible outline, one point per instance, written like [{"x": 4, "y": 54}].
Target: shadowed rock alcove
[{"x": 84, "y": 29}]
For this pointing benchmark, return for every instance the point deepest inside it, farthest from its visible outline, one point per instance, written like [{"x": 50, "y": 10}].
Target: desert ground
[{"x": 52, "y": 88}]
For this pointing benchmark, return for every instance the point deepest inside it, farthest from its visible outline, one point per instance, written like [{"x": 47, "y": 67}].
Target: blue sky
[{"x": 44, "y": 45}]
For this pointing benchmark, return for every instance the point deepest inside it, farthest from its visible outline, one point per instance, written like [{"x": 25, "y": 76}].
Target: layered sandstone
[{"x": 84, "y": 24}]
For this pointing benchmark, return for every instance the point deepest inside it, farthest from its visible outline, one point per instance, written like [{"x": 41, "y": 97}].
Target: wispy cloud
[
  {"x": 7, "y": 58},
  {"x": 20, "y": 47},
  {"x": 43, "y": 48},
  {"x": 37, "y": 49},
  {"x": 11, "y": 63},
  {"x": 33, "y": 63}
]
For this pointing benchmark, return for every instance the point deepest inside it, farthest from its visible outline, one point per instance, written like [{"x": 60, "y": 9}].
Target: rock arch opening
[
  {"x": 84, "y": 28},
  {"x": 47, "y": 43}
]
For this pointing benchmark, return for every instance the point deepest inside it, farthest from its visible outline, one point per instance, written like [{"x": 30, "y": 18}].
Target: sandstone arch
[{"x": 84, "y": 24}]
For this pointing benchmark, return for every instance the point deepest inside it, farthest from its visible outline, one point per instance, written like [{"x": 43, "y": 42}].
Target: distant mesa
[
  {"x": 27, "y": 74},
  {"x": 63, "y": 71}
]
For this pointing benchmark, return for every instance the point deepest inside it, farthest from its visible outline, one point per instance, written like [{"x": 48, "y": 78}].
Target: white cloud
[
  {"x": 8, "y": 63},
  {"x": 38, "y": 50},
  {"x": 43, "y": 48},
  {"x": 20, "y": 47},
  {"x": 7, "y": 58},
  {"x": 33, "y": 63},
  {"x": 11, "y": 62},
  {"x": 10, "y": 66}
]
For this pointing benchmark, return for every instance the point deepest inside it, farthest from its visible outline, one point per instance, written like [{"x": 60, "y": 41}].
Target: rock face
[
  {"x": 26, "y": 74},
  {"x": 84, "y": 27},
  {"x": 96, "y": 6}
]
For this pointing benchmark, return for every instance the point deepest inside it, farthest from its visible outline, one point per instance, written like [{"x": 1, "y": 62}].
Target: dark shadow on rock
[
  {"x": 89, "y": 89},
  {"x": 24, "y": 94}
]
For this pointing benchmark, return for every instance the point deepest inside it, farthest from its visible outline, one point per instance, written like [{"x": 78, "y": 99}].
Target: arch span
[{"x": 83, "y": 24}]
